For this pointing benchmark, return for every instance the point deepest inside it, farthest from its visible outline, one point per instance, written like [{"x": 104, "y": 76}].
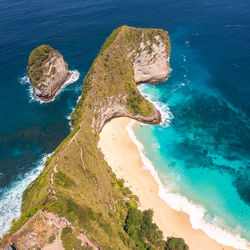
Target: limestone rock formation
[
  {"x": 128, "y": 57},
  {"x": 77, "y": 183},
  {"x": 47, "y": 71},
  {"x": 152, "y": 63}
]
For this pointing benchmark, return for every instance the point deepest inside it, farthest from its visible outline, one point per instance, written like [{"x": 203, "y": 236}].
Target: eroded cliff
[
  {"x": 151, "y": 64},
  {"x": 47, "y": 71},
  {"x": 77, "y": 182},
  {"x": 128, "y": 57}
]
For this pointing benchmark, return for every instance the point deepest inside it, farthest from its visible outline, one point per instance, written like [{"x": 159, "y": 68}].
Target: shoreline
[
  {"x": 123, "y": 155},
  {"x": 16, "y": 190},
  {"x": 18, "y": 187}
]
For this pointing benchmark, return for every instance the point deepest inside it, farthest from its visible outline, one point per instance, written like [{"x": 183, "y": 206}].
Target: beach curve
[{"x": 123, "y": 155}]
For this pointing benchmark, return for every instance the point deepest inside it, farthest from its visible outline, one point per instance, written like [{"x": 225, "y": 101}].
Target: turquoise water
[
  {"x": 203, "y": 153},
  {"x": 201, "y": 150}
]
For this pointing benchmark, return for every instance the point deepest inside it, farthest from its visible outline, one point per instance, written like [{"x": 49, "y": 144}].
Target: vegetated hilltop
[
  {"x": 47, "y": 71},
  {"x": 76, "y": 182},
  {"x": 129, "y": 56}
]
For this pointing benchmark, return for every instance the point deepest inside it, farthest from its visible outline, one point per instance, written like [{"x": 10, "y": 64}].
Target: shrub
[
  {"x": 69, "y": 239},
  {"x": 51, "y": 238},
  {"x": 67, "y": 230},
  {"x": 140, "y": 227},
  {"x": 62, "y": 180},
  {"x": 36, "y": 59},
  {"x": 53, "y": 70},
  {"x": 176, "y": 244}
]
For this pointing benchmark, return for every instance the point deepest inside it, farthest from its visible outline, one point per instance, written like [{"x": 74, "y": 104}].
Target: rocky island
[
  {"x": 47, "y": 71},
  {"x": 77, "y": 186}
]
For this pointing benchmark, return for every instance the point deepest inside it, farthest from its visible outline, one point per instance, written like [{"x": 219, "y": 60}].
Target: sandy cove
[{"x": 124, "y": 158}]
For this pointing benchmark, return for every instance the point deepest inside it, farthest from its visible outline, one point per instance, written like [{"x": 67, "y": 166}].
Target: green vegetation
[
  {"x": 176, "y": 244},
  {"x": 52, "y": 238},
  {"x": 111, "y": 75},
  {"x": 146, "y": 235},
  {"x": 70, "y": 240},
  {"x": 36, "y": 59},
  {"x": 110, "y": 39},
  {"x": 53, "y": 70},
  {"x": 142, "y": 230},
  {"x": 136, "y": 103},
  {"x": 63, "y": 180},
  {"x": 87, "y": 193}
]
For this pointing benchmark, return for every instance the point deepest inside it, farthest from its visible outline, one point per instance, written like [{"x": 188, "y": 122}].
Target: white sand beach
[{"x": 124, "y": 158}]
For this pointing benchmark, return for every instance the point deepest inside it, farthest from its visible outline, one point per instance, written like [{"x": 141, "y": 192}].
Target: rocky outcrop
[
  {"x": 47, "y": 71},
  {"x": 114, "y": 109},
  {"x": 128, "y": 57},
  {"x": 152, "y": 63}
]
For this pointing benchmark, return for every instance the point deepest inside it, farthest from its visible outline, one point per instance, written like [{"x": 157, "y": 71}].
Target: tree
[{"x": 176, "y": 244}]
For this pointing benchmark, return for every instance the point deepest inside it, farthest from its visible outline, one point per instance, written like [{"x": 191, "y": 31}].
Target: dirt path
[
  {"x": 80, "y": 148},
  {"x": 61, "y": 223}
]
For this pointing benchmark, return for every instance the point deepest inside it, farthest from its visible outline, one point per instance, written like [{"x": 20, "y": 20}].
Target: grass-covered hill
[{"x": 76, "y": 182}]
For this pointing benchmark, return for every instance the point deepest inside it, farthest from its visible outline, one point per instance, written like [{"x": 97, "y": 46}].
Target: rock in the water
[{"x": 47, "y": 71}]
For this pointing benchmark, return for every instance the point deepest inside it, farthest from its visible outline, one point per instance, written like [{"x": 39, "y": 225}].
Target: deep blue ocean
[{"x": 202, "y": 153}]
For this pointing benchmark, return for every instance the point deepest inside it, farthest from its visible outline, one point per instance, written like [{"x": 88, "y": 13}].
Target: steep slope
[
  {"x": 77, "y": 183},
  {"x": 47, "y": 71},
  {"x": 109, "y": 89}
]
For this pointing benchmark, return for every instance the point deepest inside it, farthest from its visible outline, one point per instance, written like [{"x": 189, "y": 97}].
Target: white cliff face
[
  {"x": 152, "y": 63},
  {"x": 135, "y": 56},
  {"x": 55, "y": 74}
]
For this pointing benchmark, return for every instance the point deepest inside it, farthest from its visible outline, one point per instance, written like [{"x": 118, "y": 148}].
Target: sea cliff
[
  {"x": 128, "y": 57},
  {"x": 77, "y": 183},
  {"x": 47, "y": 71}
]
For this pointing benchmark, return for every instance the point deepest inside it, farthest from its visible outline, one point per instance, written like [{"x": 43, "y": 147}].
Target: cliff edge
[
  {"x": 130, "y": 56},
  {"x": 47, "y": 71},
  {"x": 77, "y": 184},
  {"x": 151, "y": 64}
]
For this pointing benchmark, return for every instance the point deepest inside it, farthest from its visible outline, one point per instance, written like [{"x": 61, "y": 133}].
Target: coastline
[
  {"x": 123, "y": 156},
  {"x": 13, "y": 196}
]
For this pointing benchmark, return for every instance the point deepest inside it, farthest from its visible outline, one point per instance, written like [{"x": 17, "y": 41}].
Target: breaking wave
[
  {"x": 178, "y": 202},
  {"x": 166, "y": 114},
  {"x": 10, "y": 201},
  {"x": 33, "y": 98}
]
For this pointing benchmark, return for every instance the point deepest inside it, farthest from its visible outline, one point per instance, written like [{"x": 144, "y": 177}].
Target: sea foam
[
  {"x": 166, "y": 114},
  {"x": 68, "y": 117},
  {"x": 196, "y": 212},
  {"x": 33, "y": 98},
  {"x": 178, "y": 202},
  {"x": 11, "y": 199}
]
